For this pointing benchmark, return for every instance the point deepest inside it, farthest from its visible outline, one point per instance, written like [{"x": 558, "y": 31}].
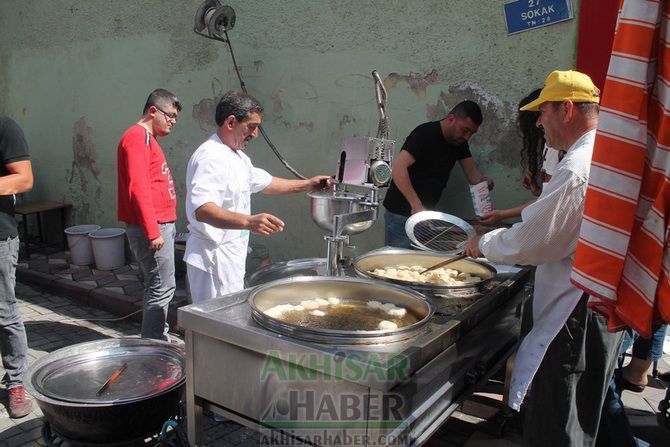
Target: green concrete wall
[{"x": 75, "y": 74}]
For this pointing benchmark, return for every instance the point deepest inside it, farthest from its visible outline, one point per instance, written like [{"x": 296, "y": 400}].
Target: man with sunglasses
[{"x": 147, "y": 202}]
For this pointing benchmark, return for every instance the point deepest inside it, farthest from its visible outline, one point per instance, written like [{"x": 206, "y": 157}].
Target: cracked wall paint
[
  {"x": 84, "y": 182},
  {"x": 498, "y": 129},
  {"x": 346, "y": 120},
  {"x": 416, "y": 82},
  {"x": 204, "y": 111},
  {"x": 278, "y": 101}
]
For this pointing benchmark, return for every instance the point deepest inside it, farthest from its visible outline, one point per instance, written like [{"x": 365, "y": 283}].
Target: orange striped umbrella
[{"x": 622, "y": 257}]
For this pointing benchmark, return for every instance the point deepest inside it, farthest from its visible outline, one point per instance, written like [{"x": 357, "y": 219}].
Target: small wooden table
[{"x": 37, "y": 207}]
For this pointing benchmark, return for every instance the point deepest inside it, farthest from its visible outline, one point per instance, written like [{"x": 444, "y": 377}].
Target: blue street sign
[{"x": 522, "y": 15}]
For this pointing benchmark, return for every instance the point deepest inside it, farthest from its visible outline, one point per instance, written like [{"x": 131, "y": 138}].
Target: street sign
[{"x": 522, "y": 15}]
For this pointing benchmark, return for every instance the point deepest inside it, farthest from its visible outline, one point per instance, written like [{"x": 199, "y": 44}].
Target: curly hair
[{"x": 533, "y": 141}]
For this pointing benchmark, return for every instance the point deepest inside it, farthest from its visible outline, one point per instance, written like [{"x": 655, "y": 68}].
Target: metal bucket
[
  {"x": 326, "y": 204},
  {"x": 293, "y": 290}
]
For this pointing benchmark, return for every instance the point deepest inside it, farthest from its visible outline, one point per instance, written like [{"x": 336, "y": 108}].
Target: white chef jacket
[
  {"x": 216, "y": 173},
  {"x": 546, "y": 237}
]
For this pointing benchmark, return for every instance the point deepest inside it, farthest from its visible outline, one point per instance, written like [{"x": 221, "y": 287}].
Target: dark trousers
[
  {"x": 568, "y": 391},
  {"x": 615, "y": 430}
]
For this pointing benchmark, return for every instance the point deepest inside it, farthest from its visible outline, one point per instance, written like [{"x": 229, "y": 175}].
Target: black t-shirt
[
  {"x": 430, "y": 172},
  {"x": 13, "y": 148}
]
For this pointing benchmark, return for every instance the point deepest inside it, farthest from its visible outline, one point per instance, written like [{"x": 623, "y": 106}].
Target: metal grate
[{"x": 431, "y": 230}]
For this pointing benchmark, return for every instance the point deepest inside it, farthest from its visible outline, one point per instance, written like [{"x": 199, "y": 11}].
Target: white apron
[{"x": 546, "y": 238}]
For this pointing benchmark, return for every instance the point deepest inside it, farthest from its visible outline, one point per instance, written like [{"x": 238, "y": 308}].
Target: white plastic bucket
[
  {"x": 108, "y": 248},
  {"x": 79, "y": 243}
]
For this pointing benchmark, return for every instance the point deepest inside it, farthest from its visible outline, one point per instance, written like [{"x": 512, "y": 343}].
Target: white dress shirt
[
  {"x": 550, "y": 159},
  {"x": 218, "y": 174},
  {"x": 546, "y": 237}
]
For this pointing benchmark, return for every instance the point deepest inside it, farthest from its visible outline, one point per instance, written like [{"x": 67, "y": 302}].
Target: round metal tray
[
  {"x": 303, "y": 288},
  {"x": 387, "y": 257},
  {"x": 427, "y": 236}
]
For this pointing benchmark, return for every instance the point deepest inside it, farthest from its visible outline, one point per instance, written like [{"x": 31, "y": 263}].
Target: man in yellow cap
[{"x": 568, "y": 355}]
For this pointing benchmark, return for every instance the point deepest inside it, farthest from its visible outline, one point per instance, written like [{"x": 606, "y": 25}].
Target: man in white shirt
[
  {"x": 220, "y": 180},
  {"x": 568, "y": 355}
]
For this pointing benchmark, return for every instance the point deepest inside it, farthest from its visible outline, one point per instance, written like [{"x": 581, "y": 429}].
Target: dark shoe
[
  {"x": 664, "y": 376},
  {"x": 19, "y": 402},
  {"x": 626, "y": 385}
]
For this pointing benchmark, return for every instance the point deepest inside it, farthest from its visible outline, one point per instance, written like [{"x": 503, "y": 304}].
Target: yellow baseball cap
[{"x": 562, "y": 85}]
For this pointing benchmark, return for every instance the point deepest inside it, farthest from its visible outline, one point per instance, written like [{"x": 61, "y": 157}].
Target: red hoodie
[{"x": 146, "y": 194}]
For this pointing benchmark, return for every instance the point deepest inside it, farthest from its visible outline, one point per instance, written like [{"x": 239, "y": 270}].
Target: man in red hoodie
[{"x": 147, "y": 202}]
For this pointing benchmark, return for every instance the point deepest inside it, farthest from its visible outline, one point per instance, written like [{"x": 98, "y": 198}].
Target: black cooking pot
[{"x": 109, "y": 391}]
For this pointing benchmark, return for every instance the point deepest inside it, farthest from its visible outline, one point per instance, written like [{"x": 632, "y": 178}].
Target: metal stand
[
  {"x": 54, "y": 439},
  {"x": 335, "y": 251}
]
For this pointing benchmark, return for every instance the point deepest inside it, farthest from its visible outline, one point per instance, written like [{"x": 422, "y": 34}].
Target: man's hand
[
  {"x": 472, "y": 247},
  {"x": 492, "y": 217},
  {"x": 156, "y": 244},
  {"x": 489, "y": 181},
  {"x": 319, "y": 182},
  {"x": 265, "y": 224}
]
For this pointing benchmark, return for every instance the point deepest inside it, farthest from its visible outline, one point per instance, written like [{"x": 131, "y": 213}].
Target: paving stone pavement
[{"x": 118, "y": 291}]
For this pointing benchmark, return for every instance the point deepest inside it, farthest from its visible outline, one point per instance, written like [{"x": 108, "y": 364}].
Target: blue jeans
[
  {"x": 394, "y": 231},
  {"x": 159, "y": 282},
  {"x": 13, "y": 342},
  {"x": 643, "y": 348}
]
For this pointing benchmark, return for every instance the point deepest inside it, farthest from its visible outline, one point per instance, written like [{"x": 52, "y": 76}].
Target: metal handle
[
  {"x": 113, "y": 378},
  {"x": 443, "y": 263},
  {"x": 340, "y": 172},
  {"x": 380, "y": 93}
]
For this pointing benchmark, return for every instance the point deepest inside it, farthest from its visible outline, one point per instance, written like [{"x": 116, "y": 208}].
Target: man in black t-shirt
[
  {"x": 16, "y": 176},
  {"x": 422, "y": 168}
]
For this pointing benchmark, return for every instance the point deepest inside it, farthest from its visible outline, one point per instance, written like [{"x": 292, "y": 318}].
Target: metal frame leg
[
  {"x": 509, "y": 365},
  {"x": 193, "y": 403}
]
